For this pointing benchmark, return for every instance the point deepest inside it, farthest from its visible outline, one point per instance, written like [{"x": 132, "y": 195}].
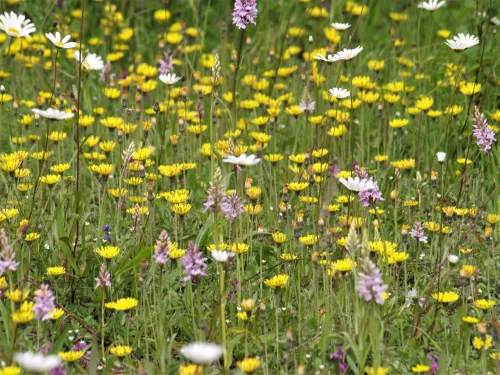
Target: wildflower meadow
[{"x": 264, "y": 187}]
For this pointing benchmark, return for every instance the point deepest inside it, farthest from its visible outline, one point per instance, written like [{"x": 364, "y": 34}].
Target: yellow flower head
[{"x": 278, "y": 281}]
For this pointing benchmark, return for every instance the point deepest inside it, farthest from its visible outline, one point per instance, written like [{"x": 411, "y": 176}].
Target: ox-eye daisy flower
[
  {"x": 169, "y": 79},
  {"x": 462, "y": 41},
  {"x": 339, "y": 93},
  {"x": 341, "y": 26},
  {"x": 56, "y": 40},
  {"x": 15, "y": 25},
  {"x": 348, "y": 54},
  {"x": 327, "y": 58},
  {"x": 357, "y": 184},
  {"x": 431, "y": 5},
  {"x": 90, "y": 62}
]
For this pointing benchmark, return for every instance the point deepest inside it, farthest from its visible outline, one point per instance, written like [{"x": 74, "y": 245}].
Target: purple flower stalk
[
  {"x": 484, "y": 135},
  {"x": 106, "y": 69},
  {"x": 417, "y": 232},
  {"x": 162, "y": 249},
  {"x": 166, "y": 65},
  {"x": 369, "y": 197},
  {"x": 244, "y": 13},
  {"x": 216, "y": 194},
  {"x": 58, "y": 371},
  {"x": 104, "y": 278},
  {"x": 307, "y": 104},
  {"x": 7, "y": 256},
  {"x": 370, "y": 283},
  {"x": 45, "y": 303},
  {"x": 195, "y": 266},
  {"x": 231, "y": 206}
]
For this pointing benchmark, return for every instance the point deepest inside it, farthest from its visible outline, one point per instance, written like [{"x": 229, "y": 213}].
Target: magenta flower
[
  {"x": 162, "y": 249},
  {"x": 104, "y": 278},
  {"x": 45, "y": 302},
  {"x": 484, "y": 135},
  {"x": 370, "y": 283},
  {"x": 195, "y": 266},
  {"x": 244, "y": 13}
]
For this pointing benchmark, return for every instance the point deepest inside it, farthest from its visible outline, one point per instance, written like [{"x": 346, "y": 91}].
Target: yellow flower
[
  {"x": 120, "y": 350},
  {"x": 122, "y": 304},
  {"x": 162, "y": 15},
  {"x": 479, "y": 343},
  {"x": 470, "y": 320},
  {"x": 309, "y": 240},
  {"x": 468, "y": 270},
  {"x": 484, "y": 304},
  {"x": 118, "y": 192},
  {"x": 445, "y": 297},
  {"x": 424, "y": 103},
  {"x": 239, "y": 248},
  {"x": 470, "y": 88},
  {"x": 71, "y": 356},
  {"x": 56, "y": 314},
  {"x": 190, "y": 369},
  {"x": 278, "y": 281},
  {"x": 50, "y": 179},
  {"x": 378, "y": 371},
  {"x": 33, "y": 236},
  {"x": 248, "y": 365},
  {"x": 103, "y": 169},
  {"x": 108, "y": 252},
  {"x": 181, "y": 209},
  {"x": 443, "y": 33},
  {"x": 493, "y": 218},
  {"x": 56, "y": 271},
  {"x": 341, "y": 265},
  {"x": 398, "y": 123},
  {"x": 298, "y": 186},
  {"x": 60, "y": 168},
  {"x": 405, "y": 164},
  {"x": 252, "y": 210},
  {"x": 420, "y": 368},
  {"x": 17, "y": 295},
  {"x": 112, "y": 92},
  {"x": 10, "y": 370},
  {"x": 25, "y": 314},
  {"x": 279, "y": 237}
]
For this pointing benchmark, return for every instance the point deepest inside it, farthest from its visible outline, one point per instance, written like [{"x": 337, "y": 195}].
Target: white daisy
[
  {"x": 339, "y": 93},
  {"x": 348, "y": 54},
  {"x": 53, "y": 114},
  {"x": 357, "y": 184},
  {"x": 221, "y": 255},
  {"x": 56, "y": 40},
  {"x": 341, "y": 26},
  {"x": 441, "y": 156},
  {"x": 15, "y": 25},
  {"x": 202, "y": 352},
  {"x": 90, "y": 62},
  {"x": 431, "y": 5},
  {"x": 37, "y": 362},
  {"x": 170, "y": 79},
  {"x": 328, "y": 58},
  {"x": 462, "y": 41},
  {"x": 243, "y": 159}
]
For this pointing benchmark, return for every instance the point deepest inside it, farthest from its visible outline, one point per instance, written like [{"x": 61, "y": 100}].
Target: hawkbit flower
[
  {"x": 370, "y": 283},
  {"x": 484, "y": 135},
  {"x": 162, "y": 249},
  {"x": 195, "y": 266},
  {"x": 244, "y": 13},
  {"x": 44, "y": 303}
]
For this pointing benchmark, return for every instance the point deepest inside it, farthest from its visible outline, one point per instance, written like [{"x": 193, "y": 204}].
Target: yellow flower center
[
  {"x": 59, "y": 44},
  {"x": 14, "y": 31}
]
